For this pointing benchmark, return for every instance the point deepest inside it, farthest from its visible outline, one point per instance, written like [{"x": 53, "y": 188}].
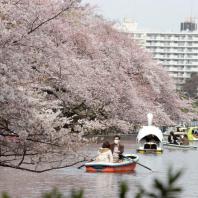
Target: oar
[
  {"x": 144, "y": 166},
  {"x": 81, "y": 166},
  {"x": 86, "y": 161},
  {"x": 131, "y": 157}
]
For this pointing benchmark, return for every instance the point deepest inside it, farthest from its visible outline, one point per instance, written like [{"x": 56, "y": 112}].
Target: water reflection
[{"x": 104, "y": 183}]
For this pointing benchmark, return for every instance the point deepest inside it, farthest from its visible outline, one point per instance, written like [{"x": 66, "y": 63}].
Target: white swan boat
[{"x": 149, "y": 138}]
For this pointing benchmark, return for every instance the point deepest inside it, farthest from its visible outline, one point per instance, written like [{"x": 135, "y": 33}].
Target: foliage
[
  {"x": 78, "y": 194},
  {"x": 159, "y": 190},
  {"x": 195, "y": 104},
  {"x": 123, "y": 190},
  {"x": 53, "y": 194},
  {"x": 191, "y": 86},
  {"x": 56, "y": 194},
  {"x": 185, "y": 110},
  {"x": 5, "y": 195}
]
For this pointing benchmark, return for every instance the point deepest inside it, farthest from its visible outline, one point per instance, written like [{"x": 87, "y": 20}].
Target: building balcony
[
  {"x": 163, "y": 39},
  {"x": 179, "y": 76},
  {"x": 173, "y": 51},
  {"x": 172, "y": 45},
  {"x": 172, "y": 57}
]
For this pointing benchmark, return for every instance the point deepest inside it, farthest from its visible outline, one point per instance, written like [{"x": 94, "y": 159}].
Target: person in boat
[
  {"x": 104, "y": 153},
  {"x": 184, "y": 140},
  {"x": 195, "y": 132},
  {"x": 117, "y": 149},
  {"x": 172, "y": 138}
]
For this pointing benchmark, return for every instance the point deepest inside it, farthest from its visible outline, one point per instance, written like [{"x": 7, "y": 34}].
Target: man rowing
[{"x": 117, "y": 149}]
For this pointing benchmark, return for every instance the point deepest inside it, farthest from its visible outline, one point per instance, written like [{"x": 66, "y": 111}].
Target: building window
[
  {"x": 166, "y": 49},
  {"x": 153, "y": 36},
  {"x": 188, "y": 68},
  {"x": 180, "y": 49},
  {"x": 189, "y": 37},
  {"x": 166, "y": 55},
  {"x": 189, "y": 43},
  {"x": 180, "y": 61},
  {"x": 181, "y": 44},
  {"x": 166, "y": 43},
  {"x": 188, "y": 61},
  {"x": 181, "y": 67}
]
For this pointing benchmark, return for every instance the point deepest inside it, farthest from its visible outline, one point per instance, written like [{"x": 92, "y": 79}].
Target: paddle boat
[
  {"x": 149, "y": 138},
  {"x": 192, "y": 133},
  {"x": 127, "y": 165}
]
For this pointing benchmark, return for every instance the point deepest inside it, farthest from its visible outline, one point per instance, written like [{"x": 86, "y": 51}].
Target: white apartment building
[{"x": 176, "y": 51}]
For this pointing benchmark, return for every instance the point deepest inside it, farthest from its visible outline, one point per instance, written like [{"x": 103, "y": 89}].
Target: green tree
[{"x": 191, "y": 85}]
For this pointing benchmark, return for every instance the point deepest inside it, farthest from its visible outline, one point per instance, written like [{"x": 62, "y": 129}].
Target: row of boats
[{"x": 150, "y": 139}]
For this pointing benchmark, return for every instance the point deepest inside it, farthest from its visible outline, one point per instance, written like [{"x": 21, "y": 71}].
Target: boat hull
[
  {"x": 175, "y": 146},
  {"x": 123, "y": 167},
  {"x": 110, "y": 169},
  {"x": 150, "y": 147},
  {"x": 150, "y": 151}
]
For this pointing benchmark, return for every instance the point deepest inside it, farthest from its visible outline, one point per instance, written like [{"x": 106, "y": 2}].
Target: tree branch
[
  {"x": 33, "y": 23},
  {"x": 24, "y": 153},
  {"x": 40, "y": 171},
  {"x": 40, "y": 141},
  {"x": 17, "y": 2},
  {"x": 18, "y": 155},
  {"x": 51, "y": 18}
]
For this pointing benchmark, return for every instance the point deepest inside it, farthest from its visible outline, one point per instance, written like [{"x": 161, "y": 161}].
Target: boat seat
[
  {"x": 153, "y": 146},
  {"x": 146, "y": 146}
]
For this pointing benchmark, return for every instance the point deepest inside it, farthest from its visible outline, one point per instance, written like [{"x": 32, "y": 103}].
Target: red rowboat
[{"x": 128, "y": 165}]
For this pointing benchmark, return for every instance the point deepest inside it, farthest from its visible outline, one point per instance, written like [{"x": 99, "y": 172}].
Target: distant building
[
  {"x": 188, "y": 26},
  {"x": 176, "y": 51}
]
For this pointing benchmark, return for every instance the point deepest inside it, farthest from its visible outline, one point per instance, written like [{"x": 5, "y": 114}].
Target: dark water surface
[{"x": 21, "y": 184}]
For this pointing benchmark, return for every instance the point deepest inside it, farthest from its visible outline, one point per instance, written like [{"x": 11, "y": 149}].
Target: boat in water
[
  {"x": 177, "y": 146},
  {"x": 149, "y": 138},
  {"x": 127, "y": 165},
  {"x": 191, "y": 132}
]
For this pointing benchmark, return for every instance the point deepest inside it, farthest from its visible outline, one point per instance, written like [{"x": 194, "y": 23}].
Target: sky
[{"x": 154, "y": 15}]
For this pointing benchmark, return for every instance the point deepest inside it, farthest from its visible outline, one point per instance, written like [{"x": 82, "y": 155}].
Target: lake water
[{"x": 102, "y": 185}]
